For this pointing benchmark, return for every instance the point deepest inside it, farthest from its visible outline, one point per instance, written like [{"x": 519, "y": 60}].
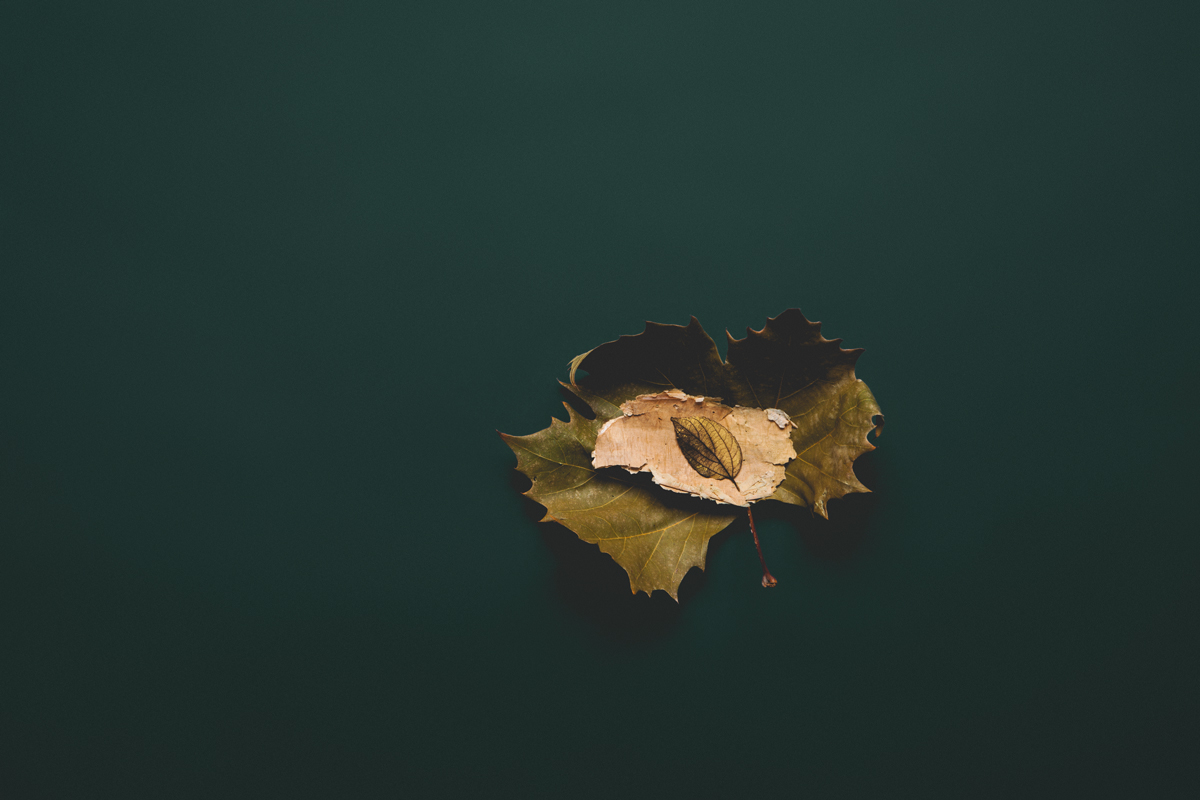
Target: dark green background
[{"x": 272, "y": 275}]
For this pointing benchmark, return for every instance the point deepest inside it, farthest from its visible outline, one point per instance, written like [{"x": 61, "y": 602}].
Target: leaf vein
[
  {"x": 569, "y": 488},
  {"x": 826, "y": 474},
  {"x": 647, "y": 533},
  {"x": 683, "y": 549},
  {"x": 551, "y": 460},
  {"x": 602, "y": 505}
]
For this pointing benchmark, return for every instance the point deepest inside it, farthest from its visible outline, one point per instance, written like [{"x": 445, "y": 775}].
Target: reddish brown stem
[{"x": 768, "y": 578}]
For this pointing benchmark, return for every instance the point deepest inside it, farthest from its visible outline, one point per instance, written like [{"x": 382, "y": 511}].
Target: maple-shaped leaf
[
  {"x": 655, "y": 536},
  {"x": 789, "y": 365}
]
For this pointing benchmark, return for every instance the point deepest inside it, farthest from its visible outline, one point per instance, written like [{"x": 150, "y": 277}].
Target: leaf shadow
[
  {"x": 596, "y": 588},
  {"x": 851, "y": 525},
  {"x": 571, "y": 399}
]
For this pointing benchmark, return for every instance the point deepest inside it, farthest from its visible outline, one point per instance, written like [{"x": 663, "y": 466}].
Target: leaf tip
[{"x": 575, "y": 363}]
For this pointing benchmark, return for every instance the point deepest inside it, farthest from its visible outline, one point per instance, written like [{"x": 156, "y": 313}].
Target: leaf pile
[{"x": 657, "y": 536}]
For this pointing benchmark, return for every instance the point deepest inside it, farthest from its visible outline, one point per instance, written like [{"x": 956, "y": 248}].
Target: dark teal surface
[{"x": 272, "y": 275}]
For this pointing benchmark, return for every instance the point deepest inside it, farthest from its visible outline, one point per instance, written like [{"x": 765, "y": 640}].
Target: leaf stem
[{"x": 768, "y": 578}]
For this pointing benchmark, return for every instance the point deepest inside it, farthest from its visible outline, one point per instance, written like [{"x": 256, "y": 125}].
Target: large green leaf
[{"x": 656, "y": 536}]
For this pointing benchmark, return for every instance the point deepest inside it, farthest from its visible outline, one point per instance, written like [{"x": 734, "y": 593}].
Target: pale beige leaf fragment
[{"x": 644, "y": 439}]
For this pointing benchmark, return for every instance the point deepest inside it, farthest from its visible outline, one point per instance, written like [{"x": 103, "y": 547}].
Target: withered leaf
[
  {"x": 656, "y": 536},
  {"x": 644, "y": 439},
  {"x": 787, "y": 365},
  {"x": 785, "y": 370},
  {"x": 709, "y": 448}
]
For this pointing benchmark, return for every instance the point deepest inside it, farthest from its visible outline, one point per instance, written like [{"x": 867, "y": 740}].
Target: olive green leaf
[
  {"x": 710, "y": 448},
  {"x": 655, "y": 535},
  {"x": 789, "y": 365}
]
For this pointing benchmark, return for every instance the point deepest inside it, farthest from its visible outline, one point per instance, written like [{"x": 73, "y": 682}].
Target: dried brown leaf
[
  {"x": 710, "y": 448},
  {"x": 643, "y": 439}
]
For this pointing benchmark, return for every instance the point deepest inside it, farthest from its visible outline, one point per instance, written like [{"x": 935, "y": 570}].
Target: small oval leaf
[{"x": 709, "y": 448}]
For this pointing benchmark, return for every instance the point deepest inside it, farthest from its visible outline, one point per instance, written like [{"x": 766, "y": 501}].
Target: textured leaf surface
[
  {"x": 709, "y": 448},
  {"x": 644, "y": 439},
  {"x": 660, "y": 358},
  {"x": 654, "y": 535},
  {"x": 787, "y": 365},
  {"x": 657, "y": 536}
]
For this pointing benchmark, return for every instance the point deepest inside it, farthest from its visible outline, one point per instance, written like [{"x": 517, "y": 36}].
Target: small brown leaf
[{"x": 711, "y": 449}]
